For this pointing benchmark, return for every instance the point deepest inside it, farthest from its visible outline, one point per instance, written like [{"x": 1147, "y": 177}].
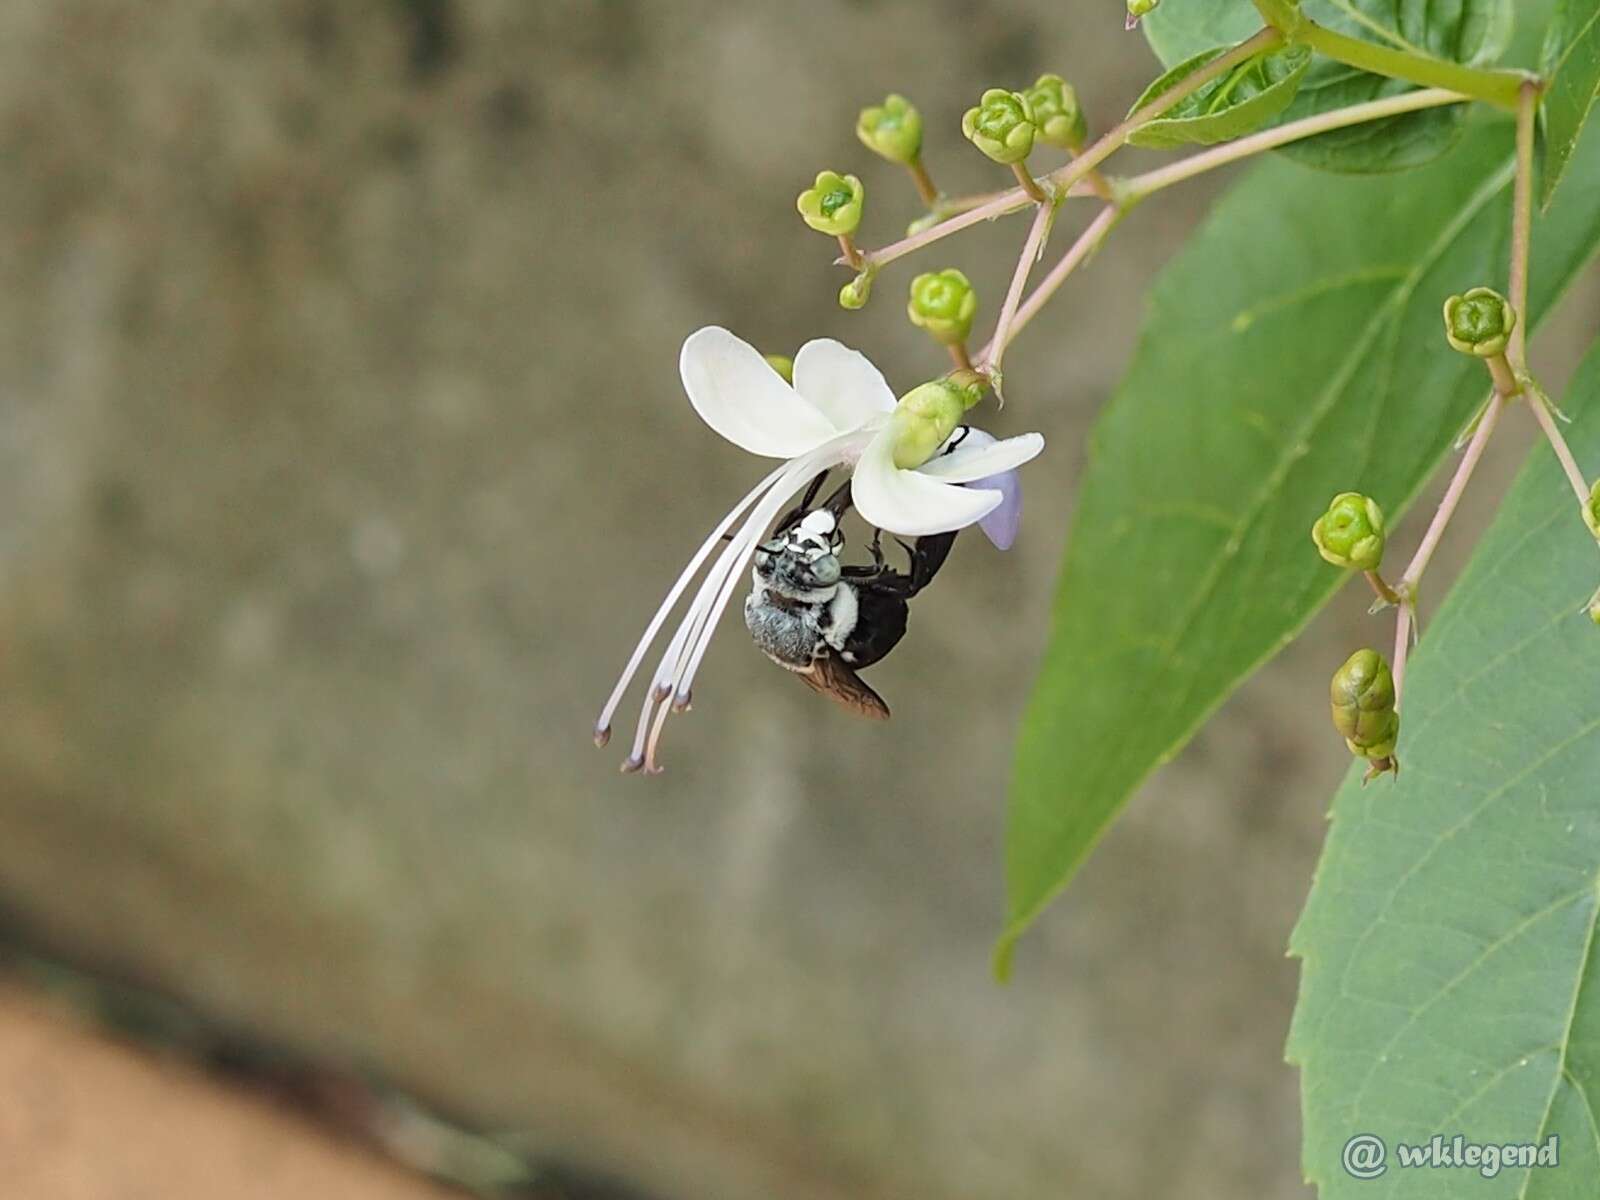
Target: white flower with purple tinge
[{"x": 840, "y": 412}]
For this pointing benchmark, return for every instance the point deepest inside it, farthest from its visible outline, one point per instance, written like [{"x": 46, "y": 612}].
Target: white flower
[{"x": 837, "y": 413}]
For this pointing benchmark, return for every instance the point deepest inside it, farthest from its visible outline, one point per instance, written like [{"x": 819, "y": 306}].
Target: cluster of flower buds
[
  {"x": 1591, "y": 510},
  {"x": 1351, "y": 533},
  {"x": 1364, "y": 711},
  {"x": 1479, "y": 323}
]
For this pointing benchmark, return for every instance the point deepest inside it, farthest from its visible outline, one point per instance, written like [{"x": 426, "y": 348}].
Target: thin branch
[
  {"x": 1452, "y": 495},
  {"x": 1137, "y": 188},
  {"x": 1402, "y": 650},
  {"x": 1558, "y": 443},
  {"x": 1522, "y": 221},
  {"x": 1088, "y": 241},
  {"x": 1031, "y": 249},
  {"x": 1430, "y": 540}
]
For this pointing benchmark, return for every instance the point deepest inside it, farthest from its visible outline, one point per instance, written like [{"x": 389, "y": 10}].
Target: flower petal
[
  {"x": 1001, "y": 526},
  {"x": 979, "y": 456},
  {"x": 912, "y": 503},
  {"x": 840, "y": 382},
  {"x": 739, "y": 395}
]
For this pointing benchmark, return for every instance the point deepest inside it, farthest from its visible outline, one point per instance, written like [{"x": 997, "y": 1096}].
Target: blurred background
[{"x": 342, "y": 459}]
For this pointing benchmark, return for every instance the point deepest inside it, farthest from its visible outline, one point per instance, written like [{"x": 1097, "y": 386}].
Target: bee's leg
[
  {"x": 878, "y": 569},
  {"x": 927, "y": 556}
]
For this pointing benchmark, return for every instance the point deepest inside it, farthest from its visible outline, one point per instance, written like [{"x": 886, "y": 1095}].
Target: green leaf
[
  {"x": 1572, "y": 65},
  {"x": 1242, "y": 101},
  {"x": 1451, "y": 977},
  {"x": 1293, "y": 351},
  {"x": 1474, "y": 32}
]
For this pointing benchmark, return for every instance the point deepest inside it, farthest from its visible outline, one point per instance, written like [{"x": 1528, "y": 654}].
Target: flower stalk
[
  {"x": 1032, "y": 248},
  {"x": 1498, "y": 87},
  {"x": 851, "y": 252},
  {"x": 1030, "y": 185}
]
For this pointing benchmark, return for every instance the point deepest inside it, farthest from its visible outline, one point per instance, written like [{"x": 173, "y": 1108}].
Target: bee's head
[{"x": 803, "y": 562}]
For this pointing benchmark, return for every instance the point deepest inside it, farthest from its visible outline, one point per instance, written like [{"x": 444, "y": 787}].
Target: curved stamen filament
[{"x": 603, "y": 725}]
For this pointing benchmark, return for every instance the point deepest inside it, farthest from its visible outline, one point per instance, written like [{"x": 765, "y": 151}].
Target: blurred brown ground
[
  {"x": 86, "y": 1117},
  {"x": 342, "y": 457}
]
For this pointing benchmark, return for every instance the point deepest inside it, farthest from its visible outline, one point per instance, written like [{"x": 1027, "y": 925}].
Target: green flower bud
[
  {"x": 1479, "y": 323},
  {"x": 857, "y": 292},
  {"x": 1001, "y": 126},
  {"x": 833, "y": 204},
  {"x": 782, "y": 364},
  {"x": 892, "y": 129},
  {"x": 1591, "y": 510},
  {"x": 1056, "y": 113},
  {"x": 926, "y": 417},
  {"x": 1362, "y": 697},
  {"x": 1351, "y": 532},
  {"x": 944, "y": 304},
  {"x": 1141, "y": 8},
  {"x": 1594, "y": 608}
]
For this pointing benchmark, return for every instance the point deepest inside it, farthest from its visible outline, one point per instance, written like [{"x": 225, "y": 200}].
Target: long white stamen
[
  {"x": 635, "y": 759},
  {"x": 659, "y": 700},
  {"x": 651, "y": 765},
  {"x": 782, "y": 492},
  {"x": 603, "y": 725},
  {"x": 686, "y": 672},
  {"x": 693, "y": 621}
]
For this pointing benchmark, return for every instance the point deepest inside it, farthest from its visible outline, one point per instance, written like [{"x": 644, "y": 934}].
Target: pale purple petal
[
  {"x": 1001, "y": 525},
  {"x": 976, "y": 449}
]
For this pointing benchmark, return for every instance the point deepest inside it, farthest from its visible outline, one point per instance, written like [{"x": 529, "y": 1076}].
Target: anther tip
[
  {"x": 632, "y": 764},
  {"x": 683, "y": 702},
  {"x": 660, "y": 692},
  {"x": 602, "y": 735},
  {"x": 654, "y": 769}
]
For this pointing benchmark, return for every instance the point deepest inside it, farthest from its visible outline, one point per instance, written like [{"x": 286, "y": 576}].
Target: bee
[{"x": 825, "y": 621}]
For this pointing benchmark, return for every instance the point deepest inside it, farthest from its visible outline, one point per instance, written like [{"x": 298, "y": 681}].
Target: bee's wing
[{"x": 833, "y": 677}]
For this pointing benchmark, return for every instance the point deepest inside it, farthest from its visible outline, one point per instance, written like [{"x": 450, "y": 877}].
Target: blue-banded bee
[{"x": 823, "y": 620}]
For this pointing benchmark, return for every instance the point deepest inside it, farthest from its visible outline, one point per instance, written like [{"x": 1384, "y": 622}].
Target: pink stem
[
  {"x": 1430, "y": 540},
  {"x": 1088, "y": 241},
  {"x": 1558, "y": 443},
  {"x": 1037, "y": 232}
]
